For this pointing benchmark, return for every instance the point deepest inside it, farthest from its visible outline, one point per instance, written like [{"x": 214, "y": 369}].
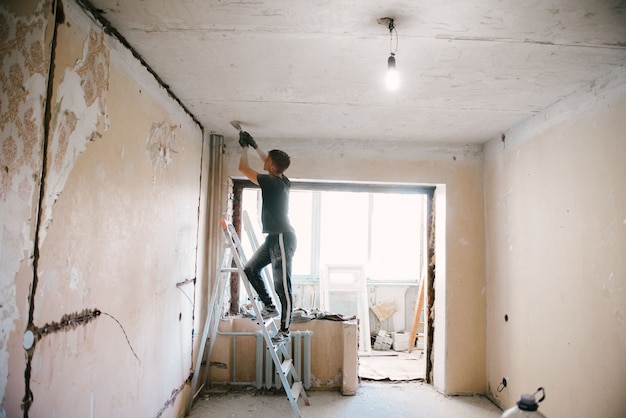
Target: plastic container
[{"x": 526, "y": 407}]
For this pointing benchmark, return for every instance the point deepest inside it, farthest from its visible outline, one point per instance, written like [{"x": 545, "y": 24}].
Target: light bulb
[{"x": 392, "y": 79}]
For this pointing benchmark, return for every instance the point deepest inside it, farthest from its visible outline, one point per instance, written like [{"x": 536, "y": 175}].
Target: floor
[
  {"x": 392, "y": 365},
  {"x": 413, "y": 399},
  {"x": 392, "y": 385}
]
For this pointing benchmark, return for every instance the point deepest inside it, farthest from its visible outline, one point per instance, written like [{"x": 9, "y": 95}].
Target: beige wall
[
  {"x": 556, "y": 231},
  {"x": 119, "y": 229},
  {"x": 459, "y": 366}
]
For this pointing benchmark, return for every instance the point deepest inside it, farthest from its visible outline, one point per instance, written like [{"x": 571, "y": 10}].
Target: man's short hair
[{"x": 280, "y": 159}]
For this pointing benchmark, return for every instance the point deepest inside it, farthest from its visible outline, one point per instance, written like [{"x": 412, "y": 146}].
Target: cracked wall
[
  {"x": 119, "y": 225},
  {"x": 24, "y": 36}
]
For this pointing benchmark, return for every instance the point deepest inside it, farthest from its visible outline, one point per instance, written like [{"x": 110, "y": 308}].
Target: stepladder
[{"x": 278, "y": 352}]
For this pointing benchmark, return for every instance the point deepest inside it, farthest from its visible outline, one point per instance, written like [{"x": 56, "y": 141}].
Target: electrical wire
[
  {"x": 392, "y": 29},
  {"x": 125, "y": 335}
]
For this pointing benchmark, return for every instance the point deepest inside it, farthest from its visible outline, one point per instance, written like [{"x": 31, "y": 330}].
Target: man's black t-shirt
[{"x": 275, "y": 210}]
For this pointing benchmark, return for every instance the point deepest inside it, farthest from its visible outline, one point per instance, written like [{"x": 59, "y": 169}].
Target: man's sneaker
[
  {"x": 269, "y": 312},
  {"x": 280, "y": 337}
]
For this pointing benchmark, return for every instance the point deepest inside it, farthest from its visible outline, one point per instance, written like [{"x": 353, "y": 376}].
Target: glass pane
[
  {"x": 396, "y": 236},
  {"x": 343, "y": 229},
  {"x": 301, "y": 217},
  {"x": 251, "y": 200}
]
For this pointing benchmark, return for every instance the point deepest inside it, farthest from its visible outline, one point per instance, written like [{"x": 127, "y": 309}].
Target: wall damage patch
[
  {"x": 22, "y": 83},
  {"x": 23, "y": 73},
  {"x": 79, "y": 110},
  {"x": 159, "y": 145}
]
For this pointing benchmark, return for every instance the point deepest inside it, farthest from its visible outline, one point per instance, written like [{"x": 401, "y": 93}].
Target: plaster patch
[
  {"x": 75, "y": 278},
  {"x": 80, "y": 107},
  {"x": 159, "y": 145}
]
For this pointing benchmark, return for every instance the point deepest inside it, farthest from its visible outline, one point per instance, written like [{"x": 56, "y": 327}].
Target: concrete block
[{"x": 400, "y": 341}]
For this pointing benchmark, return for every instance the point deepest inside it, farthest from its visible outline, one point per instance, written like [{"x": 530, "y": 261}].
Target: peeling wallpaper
[{"x": 23, "y": 77}]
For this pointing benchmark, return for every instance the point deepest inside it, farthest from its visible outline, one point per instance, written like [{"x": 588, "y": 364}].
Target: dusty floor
[
  {"x": 413, "y": 399},
  {"x": 392, "y": 365}
]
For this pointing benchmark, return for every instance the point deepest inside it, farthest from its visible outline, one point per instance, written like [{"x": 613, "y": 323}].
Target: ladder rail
[{"x": 211, "y": 321}]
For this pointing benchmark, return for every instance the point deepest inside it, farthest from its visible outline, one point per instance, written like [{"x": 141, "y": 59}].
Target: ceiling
[{"x": 314, "y": 70}]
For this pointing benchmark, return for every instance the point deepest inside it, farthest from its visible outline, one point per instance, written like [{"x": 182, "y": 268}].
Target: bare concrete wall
[
  {"x": 556, "y": 232},
  {"x": 460, "y": 317},
  {"x": 108, "y": 288}
]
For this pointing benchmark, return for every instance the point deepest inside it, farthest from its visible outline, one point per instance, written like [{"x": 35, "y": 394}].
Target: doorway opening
[{"x": 363, "y": 250}]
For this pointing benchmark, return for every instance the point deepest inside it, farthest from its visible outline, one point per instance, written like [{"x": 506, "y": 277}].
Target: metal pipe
[
  {"x": 296, "y": 353},
  {"x": 306, "y": 372},
  {"x": 259, "y": 360},
  {"x": 259, "y": 348}
]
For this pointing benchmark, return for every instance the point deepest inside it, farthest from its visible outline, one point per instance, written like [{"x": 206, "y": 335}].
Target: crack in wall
[
  {"x": 172, "y": 398},
  {"x": 58, "y": 20},
  {"x": 79, "y": 109},
  {"x": 67, "y": 322},
  {"x": 23, "y": 71}
]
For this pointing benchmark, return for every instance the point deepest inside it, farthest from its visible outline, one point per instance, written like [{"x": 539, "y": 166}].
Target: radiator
[{"x": 299, "y": 348}]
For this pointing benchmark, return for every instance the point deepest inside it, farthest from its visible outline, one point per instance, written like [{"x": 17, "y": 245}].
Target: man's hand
[{"x": 245, "y": 137}]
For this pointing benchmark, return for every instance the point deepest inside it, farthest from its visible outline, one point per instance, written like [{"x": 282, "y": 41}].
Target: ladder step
[
  {"x": 286, "y": 366},
  {"x": 296, "y": 389}
]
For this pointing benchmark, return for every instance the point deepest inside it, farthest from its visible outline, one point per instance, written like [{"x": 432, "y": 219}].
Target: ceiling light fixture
[{"x": 392, "y": 78}]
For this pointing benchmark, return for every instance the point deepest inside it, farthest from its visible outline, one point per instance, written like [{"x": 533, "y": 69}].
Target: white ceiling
[{"x": 314, "y": 70}]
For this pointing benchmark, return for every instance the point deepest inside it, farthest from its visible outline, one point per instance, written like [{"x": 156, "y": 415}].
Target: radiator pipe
[
  {"x": 259, "y": 356},
  {"x": 306, "y": 367}
]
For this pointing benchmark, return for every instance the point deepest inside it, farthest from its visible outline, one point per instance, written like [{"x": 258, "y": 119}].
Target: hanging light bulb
[{"x": 392, "y": 78}]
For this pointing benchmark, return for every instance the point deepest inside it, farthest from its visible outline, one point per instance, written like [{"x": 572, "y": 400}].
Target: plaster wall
[
  {"x": 459, "y": 339},
  {"x": 108, "y": 291},
  {"x": 555, "y": 204}
]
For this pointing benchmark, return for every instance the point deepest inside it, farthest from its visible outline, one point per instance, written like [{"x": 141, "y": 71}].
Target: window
[{"x": 382, "y": 231}]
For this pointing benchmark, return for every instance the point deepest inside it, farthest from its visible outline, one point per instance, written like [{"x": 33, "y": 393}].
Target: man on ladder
[{"x": 280, "y": 242}]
